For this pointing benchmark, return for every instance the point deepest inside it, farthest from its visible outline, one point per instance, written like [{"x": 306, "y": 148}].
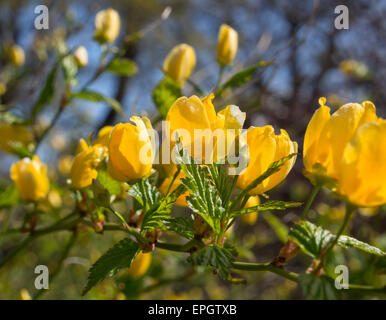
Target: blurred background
[{"x": 312, "y": 59}]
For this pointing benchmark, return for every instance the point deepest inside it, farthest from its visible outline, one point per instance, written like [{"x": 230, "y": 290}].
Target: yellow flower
[
  {"x": 265, "y": 148},
  {"x": 83, "y": 169},
  {"x": 180, "y": 63},
  {"x": 187, "y": 115},
  {"x": 16, "y": 55},
  {"x": 24, "y": 295},
  {"x": 362, "y": 172},
  {"x": 11, "y": 133},
  {"x": 81, "y": 56},
  {"x": 30, "y": 177},
  {"x": 140, "y": 265},
  {"x": 227, "y": 44},
  {"x": 327, "y": 136},
  {"x": 251, "y": 218},
  {"x": 181, "y": 200},
  {"x": 104, "y": 136},
  {"x": 107, "y": 25},
  {"x": 131, "y": 151}
]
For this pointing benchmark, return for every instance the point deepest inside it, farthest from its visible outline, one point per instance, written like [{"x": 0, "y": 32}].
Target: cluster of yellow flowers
[{"x": 342, "y": 151}]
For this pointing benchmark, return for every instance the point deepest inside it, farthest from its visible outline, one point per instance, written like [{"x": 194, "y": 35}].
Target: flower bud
[
  {"x": 180, "y": 63},
  {"x": 30, "y": 177},
  {"x": 251, "y": 218},
  {"x": 83, "y": 169},
  {"x": 107, "y": 25},
  {"x": 16, "y": 55},
  {"x": 140, "y": 265},
  {"x": 227, "y": 44},
  {"x": 131, "y": 151},
  {"x": 81, "y": 56}
]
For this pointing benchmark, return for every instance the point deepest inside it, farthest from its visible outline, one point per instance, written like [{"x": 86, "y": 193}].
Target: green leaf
[
  {"x": 123, "y": 67},
  {"x": 164, "y": 95},
  {"x": 180, "y": 225},
  {"x": 119, "y": 256},
  {"x": 111, "y": 185},
  {"x": 101, "y": 195},
  {"x": 268, "y": 205},
  {"x": 145, "y": 193},
  {"x": 319, "y": 288},
  {"x": 98, "y": 97},
  {"x": 220, "y": 259},
  {"x": 310, "y": 238},
  {"x": 157, "y": 208},
  {"x": 280, "y": 228},
  {"x": 20, "y": 150},
  {"x": 349, "y": 242},
  {"x": 243, "y": 76},
  {"x": 9, "y": 197},
  {"x": 47, "y": 93},
  {"x": 204, "y": 198}
]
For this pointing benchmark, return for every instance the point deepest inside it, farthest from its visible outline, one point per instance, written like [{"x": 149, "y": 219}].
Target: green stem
[
  {"x": 350, "y": 209},
  {"x": 310, "y": 200},
  {"x": 266, "y": 267},
  {"x": 220, "y": 75},
  {"x": 35, "y": 235}
]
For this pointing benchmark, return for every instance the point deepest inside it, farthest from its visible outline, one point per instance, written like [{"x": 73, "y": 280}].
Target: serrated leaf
[
  {"x": 119, "y": 256},
  {"x": 218, "y": 258},
  {"x": 9, "y": 197},
  {"x": 145, "y": 193},
  {"x": 122, "y": 66},
  {"x": 111, "y": 185},
  {"x": 318, "y": 288},
  {"x": 180, "y": 225},
  {"x": 164, "y": 95},
  {"x": 47, "y": 92},
  {"x": 268, "y": 205},
  {"x": 349, "y": 242},
  {"x": 98, "y": 97},
  {"x": 204, "y": 198},
  {"x": 310, "y": 238},
  {"x": 242, "y": 76}
]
